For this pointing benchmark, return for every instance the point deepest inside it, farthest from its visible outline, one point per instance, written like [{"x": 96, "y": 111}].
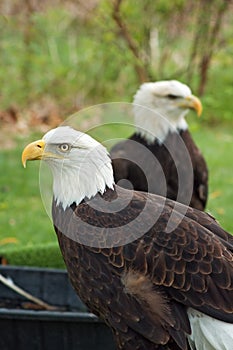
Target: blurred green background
[{"x": 58, "y": 57}]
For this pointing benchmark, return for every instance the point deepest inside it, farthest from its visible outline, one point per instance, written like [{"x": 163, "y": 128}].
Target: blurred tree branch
[
  {"x": 27, "y": 39},
  {"x": 77, "y": 53},
  {"x": 208, "y": 26},
  {"x": 213, "y": 37},
  {"x": 138, "y": 65}
]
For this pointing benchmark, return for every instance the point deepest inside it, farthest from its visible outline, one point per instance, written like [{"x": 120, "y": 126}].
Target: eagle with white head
[
  {"x": 155, "y": 289},
  {"x": 161, "y": 129}
]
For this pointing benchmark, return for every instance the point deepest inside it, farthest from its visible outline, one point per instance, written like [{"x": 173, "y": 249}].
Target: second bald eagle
[{"x": 161, "y": 156}]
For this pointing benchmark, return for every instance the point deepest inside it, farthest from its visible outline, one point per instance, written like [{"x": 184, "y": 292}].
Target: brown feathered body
[
  {"x": 156, "y": 172},
  {"x": 142, "y": 289}
]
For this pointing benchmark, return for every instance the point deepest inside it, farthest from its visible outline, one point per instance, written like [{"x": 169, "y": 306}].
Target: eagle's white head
[
  {"x": 81, "y": 166},
  {"x": 167, "y": 103}
]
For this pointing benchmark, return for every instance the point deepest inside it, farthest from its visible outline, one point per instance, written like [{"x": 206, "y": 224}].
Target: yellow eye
[{"x": 65, "y": 147}]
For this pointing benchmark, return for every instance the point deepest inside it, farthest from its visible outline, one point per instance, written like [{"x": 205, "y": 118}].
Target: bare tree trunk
[
  {"x": 138, "y": 65},
  {"x": 208, "y": 26},
  {"x": 194, "y": 49},
  {"x": 207, "y": 56},
  {"x": 27, "y": 38}
]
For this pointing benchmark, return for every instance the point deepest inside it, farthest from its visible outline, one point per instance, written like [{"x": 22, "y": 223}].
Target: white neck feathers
[
  {"x": 153, "y": 125},
  {"x": 83, "y": 172},
  {"x": 154, "y": 114}
]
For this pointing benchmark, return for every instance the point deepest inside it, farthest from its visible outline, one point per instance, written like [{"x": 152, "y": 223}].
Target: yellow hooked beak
[
  {"x": 192, "y": 102},
  {"x": 33, "y": 151}
]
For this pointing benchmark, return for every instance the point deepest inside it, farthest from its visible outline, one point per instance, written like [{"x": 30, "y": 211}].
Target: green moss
[{"x": 42, "y": 255}]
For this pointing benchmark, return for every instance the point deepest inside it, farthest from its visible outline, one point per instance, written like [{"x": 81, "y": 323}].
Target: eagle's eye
[
  {"x": 172, "y": 97},
  {"x": 64, "y": 147}
]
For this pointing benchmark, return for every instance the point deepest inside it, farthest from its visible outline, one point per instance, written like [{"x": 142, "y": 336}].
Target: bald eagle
[
  {"x": 159, "y": 273},
  {"x": 162, "y": 133}
]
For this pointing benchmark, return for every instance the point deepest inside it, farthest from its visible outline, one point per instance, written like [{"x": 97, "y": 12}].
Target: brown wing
[
  {"x": 192, "y": 265},
  {"x": 142, "y": 288},
  {"x": 206, "y": 220},
  {"x": 97, "y": 275},
  {"x": 129, "y": 163},
  {"x": 146, "y": 167},
  {"x": 119, "y": 162},
  {"x": 158, "y": 168},
  {"x": 200, "y": 186}
]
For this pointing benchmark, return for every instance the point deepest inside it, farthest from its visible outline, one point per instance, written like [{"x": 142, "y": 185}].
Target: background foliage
[{"x": 80, "y": 53}]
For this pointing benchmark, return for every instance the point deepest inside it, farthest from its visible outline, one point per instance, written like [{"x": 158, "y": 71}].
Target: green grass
[
  {"x": 25, "y": 223},
  {"x": 216, "y": 144}
]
